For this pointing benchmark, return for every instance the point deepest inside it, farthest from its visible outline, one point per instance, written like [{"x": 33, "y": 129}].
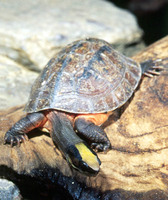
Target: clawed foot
[
  {"x": 15, "y": 140},
  {"x": 154, "y": 69},
  {"x": 100, "y": 147}
]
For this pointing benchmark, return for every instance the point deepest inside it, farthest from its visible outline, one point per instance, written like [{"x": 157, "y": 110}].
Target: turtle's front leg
[
  {"x": 17, "y": 133},
  {"x": 93, "y": 133}
]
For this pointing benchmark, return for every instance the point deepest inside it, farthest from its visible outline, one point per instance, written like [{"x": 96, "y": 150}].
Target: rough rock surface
[
  {"x": 31, "y": 32},
  {"x": 137, "y": 164},
  {"x": 8, "y": 190},
  {"x": 15, "y": 83}
]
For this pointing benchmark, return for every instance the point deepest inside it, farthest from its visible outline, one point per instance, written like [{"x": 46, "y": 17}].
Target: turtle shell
[{"x": 87, "y": 76}]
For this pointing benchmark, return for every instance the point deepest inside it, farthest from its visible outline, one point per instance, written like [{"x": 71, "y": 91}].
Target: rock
[
  {"x": 8, "y": 190},
  {"x": 135, "y": 167},
  {"x": 15, "y": 83},
  {"x": 32, "y": 33}
]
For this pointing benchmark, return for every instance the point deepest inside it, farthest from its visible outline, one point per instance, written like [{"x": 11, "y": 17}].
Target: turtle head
[{"x": 84, "y": 159}]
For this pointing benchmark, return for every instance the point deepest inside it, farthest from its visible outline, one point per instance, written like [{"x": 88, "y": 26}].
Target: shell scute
[
  {"x": 120, "y": 94},
  {"x": 87, "y": 76}
]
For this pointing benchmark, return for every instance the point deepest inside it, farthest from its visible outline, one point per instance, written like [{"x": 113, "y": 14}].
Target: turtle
[{"x": 74, "y": 95}]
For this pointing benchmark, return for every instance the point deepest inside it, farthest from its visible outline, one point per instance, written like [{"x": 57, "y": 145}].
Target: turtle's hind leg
[
  {"x": 17, "y": 133},
  {"x": 151, "y": 68}
]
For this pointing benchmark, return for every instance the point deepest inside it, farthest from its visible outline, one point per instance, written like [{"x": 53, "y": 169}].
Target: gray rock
[
  {"x": 8, "y": 190},
  {"x": 32, "y": 32},
  {"x": 15, "y": 83}
]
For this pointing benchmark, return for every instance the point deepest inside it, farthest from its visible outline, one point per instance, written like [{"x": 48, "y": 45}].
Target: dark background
[{"x": 152, "y": 16}]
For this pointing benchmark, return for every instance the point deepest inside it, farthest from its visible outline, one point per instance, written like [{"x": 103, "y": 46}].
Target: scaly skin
[{"x": 88, "y": 126}]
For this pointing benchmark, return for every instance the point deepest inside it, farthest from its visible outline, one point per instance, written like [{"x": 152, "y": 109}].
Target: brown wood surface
[{"x": 138, "y": 132}]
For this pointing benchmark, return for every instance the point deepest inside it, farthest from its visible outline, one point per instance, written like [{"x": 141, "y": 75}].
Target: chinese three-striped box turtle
[{"x": 75, "y": 94}]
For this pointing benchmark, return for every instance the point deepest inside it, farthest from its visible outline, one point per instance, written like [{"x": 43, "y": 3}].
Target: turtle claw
[
  {"x": 97, "y": 146},
  {"x": 11, "y": 142},
  {"x": 151, "y": 73},
  {"x": 25, "y": 137},
  {"x": 148, "y": 74},
  {"x": 100, "y": 147},
  {"x": 158, "y": 67},
  {"x": 15, "y": 140},
  {"x": 154, "y": 71}
]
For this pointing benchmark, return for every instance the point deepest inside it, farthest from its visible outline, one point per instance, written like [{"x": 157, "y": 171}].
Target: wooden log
[{"x": 138, "y": 160}]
